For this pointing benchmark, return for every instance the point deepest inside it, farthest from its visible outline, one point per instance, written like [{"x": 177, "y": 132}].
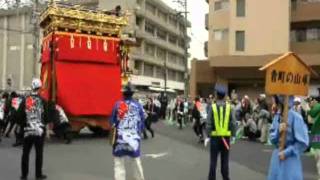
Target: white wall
[{"x": 147, "y": 81}]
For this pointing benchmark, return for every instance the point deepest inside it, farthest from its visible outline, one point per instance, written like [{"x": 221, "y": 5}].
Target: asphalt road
[
  {"x": 89, "y": 158},
  {"x": 253, "y": 155},
  {"x": 172, "y": 155}
]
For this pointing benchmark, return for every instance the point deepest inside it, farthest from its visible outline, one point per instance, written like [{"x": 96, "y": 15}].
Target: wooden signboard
[{"x": 287, "y": 75}]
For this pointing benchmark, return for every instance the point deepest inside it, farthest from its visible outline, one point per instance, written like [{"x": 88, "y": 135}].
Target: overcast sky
[{"x": 197, "y": 10}]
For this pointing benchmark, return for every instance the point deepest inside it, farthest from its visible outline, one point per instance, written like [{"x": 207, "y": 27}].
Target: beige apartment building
[{"x": 246, "y": 34}]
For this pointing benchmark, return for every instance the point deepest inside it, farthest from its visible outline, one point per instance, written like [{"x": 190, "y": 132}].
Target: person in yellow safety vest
[{"x": 221, "y": 128}]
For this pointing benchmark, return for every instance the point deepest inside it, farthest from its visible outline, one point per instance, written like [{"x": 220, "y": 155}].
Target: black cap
[{"x": 128, "y": 90}]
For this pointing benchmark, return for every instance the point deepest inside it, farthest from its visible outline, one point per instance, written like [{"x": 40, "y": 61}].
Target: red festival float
[{"x": 83, "y": 62}]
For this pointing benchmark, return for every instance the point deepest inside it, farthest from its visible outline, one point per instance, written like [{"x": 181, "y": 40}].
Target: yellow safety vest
[{"x": 221, "y": 126}]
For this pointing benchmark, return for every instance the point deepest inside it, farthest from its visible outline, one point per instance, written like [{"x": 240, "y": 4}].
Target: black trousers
[
  {"x": 2, "y": 125},
  {"x": 163, "y": 111},
  {"x": 28, "y": 142},
  {"x": 197, "y": 127},
  {"x": 180, "y": 118},
  {"x": 18, "y": 132},
  {"x": 11, "y": 126},
  {"x": 217, "y": 147},
  {"x": 147, "y": 124}
]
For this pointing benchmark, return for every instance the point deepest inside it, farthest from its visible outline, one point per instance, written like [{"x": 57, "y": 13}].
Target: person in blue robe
[{"x": 286, "y": 164}]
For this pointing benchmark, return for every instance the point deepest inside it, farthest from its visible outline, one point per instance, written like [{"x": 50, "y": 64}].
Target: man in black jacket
[
  {"x": 180, "y": 109},
  {"x": 3, "y": 113},
  {"x": 152, "y": 116},
  {"x": 164, "y": 103},
  {"x": 34, "y": 116}
]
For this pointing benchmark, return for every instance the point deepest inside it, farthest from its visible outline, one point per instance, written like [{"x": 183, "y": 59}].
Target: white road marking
[
  {"x": 156, "y": 156},
  {"x": 267, "y": 150}
]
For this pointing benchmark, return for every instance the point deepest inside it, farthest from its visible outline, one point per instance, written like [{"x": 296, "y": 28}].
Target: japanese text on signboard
[{"x": 284, "y": 77}]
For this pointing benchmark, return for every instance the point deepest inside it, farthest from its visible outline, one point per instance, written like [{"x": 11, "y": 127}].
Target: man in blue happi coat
[{"x": 128, "y": 120}]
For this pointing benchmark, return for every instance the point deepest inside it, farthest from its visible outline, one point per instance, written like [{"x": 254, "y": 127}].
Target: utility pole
[
  {"x": 184, "y": 5},
  {"x": 186, "y": 46},
  {"x": 35, "y": 34},
  {"x": 165, "y": 75}
]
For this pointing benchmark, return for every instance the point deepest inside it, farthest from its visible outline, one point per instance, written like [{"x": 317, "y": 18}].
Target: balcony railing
[
  {"x": 306, "y": 47},
  {"x": 307, "y": 10}
]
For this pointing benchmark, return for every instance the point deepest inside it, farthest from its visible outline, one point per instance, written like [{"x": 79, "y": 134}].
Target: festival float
[{"x": 84, "y": 62}]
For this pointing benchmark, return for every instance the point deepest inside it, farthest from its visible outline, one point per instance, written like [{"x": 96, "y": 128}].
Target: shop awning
[{"x": 158, "y": 89}]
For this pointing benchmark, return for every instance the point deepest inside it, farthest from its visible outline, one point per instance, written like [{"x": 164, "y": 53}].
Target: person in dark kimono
[
  {"x": 164, "y": 103},
  {"x": 3, "y": 114},
  {"x": 6, "y": 100},
  {"x": 12, "y": 108},
  {"x": 14, "y": 118},
  {"x": 34, "y": 112},
  {"x": 61, "y": 125},
  {"x": 152, "y": 116},
  {"x": 180, "y": 109}
]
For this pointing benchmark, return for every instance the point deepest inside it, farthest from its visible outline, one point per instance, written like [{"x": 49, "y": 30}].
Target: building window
[
  {"x": 312, "y": 34},
  {"x": 301, "y": 35},
  {"x": 293, "y": 36},
  {"x": 173, "y": 21},
  {"x": 161, "y": 54},
  {"x": 151, "y": 8},
  {"x": 14, "y": 48},
  {"x": 162, "y": 34},
  {"x": 310, "y": 0},
  {"x": 240, "y": 40},
  {"x": 220, "y": 34},
  {"x": 149, "y": 28},
  {"x": 138, "y": 67},
  {"x": 180, "y": 60},
  {"x": 171, "y": 75},
  {"x": 172, "y": 39},
  {"x": 138, "y": 21},
  {"x": 162, "y": 15},
  {"x": 180, "y": 76},
  {"x": 182, "y": 28},
  {"x": 148, "y": 70},
  {"x": 159, "y": 72},
  {"x": 172, "y": 58},
  {"x": 181, "y": 43},
  {"x": 223, "y": 4},
  {"x": 149, "y": 49},
  {"x": 241, "y": 8}
]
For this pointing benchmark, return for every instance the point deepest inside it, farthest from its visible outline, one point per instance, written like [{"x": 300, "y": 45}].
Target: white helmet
[
  {"x": 297, "y": 99},
  {"x": 36, "y": 83}
]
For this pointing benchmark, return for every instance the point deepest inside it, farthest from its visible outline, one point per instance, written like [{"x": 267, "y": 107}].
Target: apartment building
[
  {"x": 19, "y": 54},
  {"x": 160, "y": 32},
  {"x": 16, "y": 49},
  {"x": 246, "y": 34}
]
